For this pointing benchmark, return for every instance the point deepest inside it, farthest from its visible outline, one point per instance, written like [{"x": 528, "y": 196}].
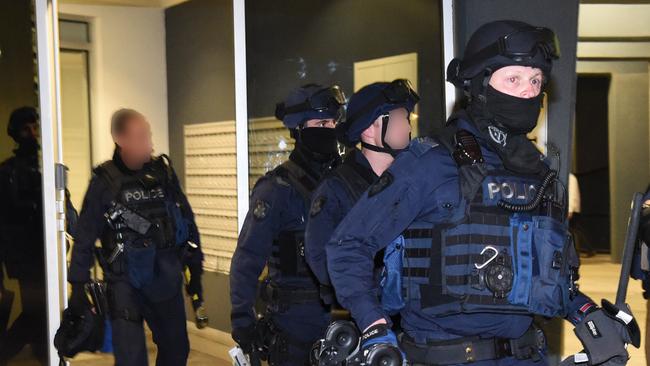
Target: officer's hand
[
  {"x": 245, "y": 337},
  {"x": 79, "y": 302},
  {"x": 379, "y": 338},
  {"x": 604, "y": 333}
]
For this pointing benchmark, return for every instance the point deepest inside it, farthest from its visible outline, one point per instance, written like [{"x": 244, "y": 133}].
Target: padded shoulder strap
[
  {"x": 298, "y": 178},
  {"x": 111, "y": 175}
]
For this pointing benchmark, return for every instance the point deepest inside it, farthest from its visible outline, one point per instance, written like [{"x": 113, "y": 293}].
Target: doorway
[{"x": 591, "y": 163}]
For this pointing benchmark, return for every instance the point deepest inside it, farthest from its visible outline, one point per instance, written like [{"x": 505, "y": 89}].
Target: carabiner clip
[{"x": 496, "y": 254}]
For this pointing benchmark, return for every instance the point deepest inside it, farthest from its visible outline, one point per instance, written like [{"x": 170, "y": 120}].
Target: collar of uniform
[
  {"x": 362, "y": 165},
  {"x": 117, "y": 159}
]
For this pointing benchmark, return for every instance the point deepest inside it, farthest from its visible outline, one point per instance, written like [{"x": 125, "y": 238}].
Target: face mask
[
  {"x": 319, "y": 140},
  {"x": 517, "y": 116}
]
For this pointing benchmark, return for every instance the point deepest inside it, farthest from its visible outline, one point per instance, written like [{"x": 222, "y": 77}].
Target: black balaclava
[
  {"x": 319, "y": 141},
  {"x": 504, "y": 121}
]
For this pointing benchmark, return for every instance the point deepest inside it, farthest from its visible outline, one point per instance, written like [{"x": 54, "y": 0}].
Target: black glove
[
  {"x": 79, "y": 302},
  {"x": 604, "y": 334},
  {"x": 245, "y": 337}
]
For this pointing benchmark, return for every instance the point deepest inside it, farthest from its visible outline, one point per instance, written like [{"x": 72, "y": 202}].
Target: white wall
[
  {"x": 602, "y": 29},
  {"x": 128, "y": 69}
]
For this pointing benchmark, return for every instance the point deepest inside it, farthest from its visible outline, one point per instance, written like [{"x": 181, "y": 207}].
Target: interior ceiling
[{"x": 141, "y": 3}]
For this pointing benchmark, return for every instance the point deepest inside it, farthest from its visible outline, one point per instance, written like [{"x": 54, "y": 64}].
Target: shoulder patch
[
  {"x": 261, "y": 210},
  {"x": 317, "y": 206},
  {"x": 384, "y": 181}
]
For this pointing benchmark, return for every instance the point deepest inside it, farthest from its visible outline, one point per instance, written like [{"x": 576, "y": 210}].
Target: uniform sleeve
[
  {"x": 371, "y": 225},
  {"x": 324, "y": 216},
  {"x": 188, "y": 215},
  {"x": 578, "y": 308},
  {"x": 89, "y": 228},
  {"x": 262, "y": 224}
]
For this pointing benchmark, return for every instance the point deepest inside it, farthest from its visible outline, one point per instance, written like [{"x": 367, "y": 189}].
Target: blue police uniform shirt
[
  {"x": 331, "y": 204},
  {"x": 424, "y": 188},
  {"x": 275, "y": 206}
]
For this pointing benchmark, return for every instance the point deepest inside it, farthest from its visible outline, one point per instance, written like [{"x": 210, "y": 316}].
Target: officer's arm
[
  {"x": 324, "y": 216},
  {"x": 261, "y": 226},
  {"x": 371, "y": 225},
  {"x": 90, "y": 225},
  {"x": 579, "y": 307},
  {"x": 196, "y": 259}
]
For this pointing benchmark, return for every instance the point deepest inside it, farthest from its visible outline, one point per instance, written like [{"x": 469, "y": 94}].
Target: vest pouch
[
  {"x": 392, "y": 300},
  {"x": 550, "y": 288},
  {"x": 522, "y": 245},
  {"x": 141, "y": 259}
]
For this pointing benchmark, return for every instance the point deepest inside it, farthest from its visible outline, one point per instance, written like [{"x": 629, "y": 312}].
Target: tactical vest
[
  {"x": 288, "y": 250},
  {"x": 349, "y": 174},
  {"x": 145, "y": 193},
  {"x": 484, "y": 258}
]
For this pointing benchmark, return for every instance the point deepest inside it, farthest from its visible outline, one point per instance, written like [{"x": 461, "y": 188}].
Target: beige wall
[
  {"x": 128, "y": 69},
  {"x": 613, "y": 38},
  {"x": 629, "y": 157}
]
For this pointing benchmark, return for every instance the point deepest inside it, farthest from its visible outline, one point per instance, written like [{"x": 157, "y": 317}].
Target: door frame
[{"x": 53, "y": 210}]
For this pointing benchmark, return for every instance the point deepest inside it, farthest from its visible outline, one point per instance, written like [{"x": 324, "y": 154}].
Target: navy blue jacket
[
  {"x": 331, "y": 203},
  {"x": 275, "y": 206},
  {"x": 424, "y": 187}
]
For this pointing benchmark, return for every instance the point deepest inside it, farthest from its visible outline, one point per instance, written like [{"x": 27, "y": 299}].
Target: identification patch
[
  {"x": 317, "y": 206},
  {"x": 382, "y": 183},
  {"x": 593, "y": 329},
  {"x": 260, "y": 210}
]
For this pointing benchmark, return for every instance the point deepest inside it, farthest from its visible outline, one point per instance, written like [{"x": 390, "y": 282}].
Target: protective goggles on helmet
[
  {"x": 525, "y": 43},
  {"x": 397, "y": 92},
  {"x": 330, "y": 98},
  {"x": 521, "y": 45}
]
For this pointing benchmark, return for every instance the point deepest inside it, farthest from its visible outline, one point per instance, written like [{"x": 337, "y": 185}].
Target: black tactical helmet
[
  {"x": 79, "y": 333},
  {"x": 504, "y": 43}
]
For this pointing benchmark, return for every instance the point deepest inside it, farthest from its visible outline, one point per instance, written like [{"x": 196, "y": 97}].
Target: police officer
[
  {"x": 273, "y": 233},
  {"x": 485, "y": 244},
  {"x": 21, "y": 236},
  {"x": 378, "y": 118},
  {"x": 135, "y": 205}
]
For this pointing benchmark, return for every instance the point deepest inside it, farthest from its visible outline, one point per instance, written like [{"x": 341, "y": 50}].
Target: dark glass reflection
[{"x": 23, "y": 337}]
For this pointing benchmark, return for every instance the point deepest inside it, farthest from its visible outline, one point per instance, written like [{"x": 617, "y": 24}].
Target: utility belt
[
  {"x": 474, "y": 349},
  {"x": 277, "y": 296}
]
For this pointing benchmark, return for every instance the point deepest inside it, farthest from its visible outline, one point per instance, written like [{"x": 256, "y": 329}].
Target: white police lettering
[
  {"x": 497, "y": 135},
  {"x": 509, "y": 190},
  {"x": 143, "y": 195}
]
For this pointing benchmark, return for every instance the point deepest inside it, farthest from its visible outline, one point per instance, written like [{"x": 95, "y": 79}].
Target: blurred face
[
  {"x": 323, "y": 123},
  {"x": 518, "y": 81},
  {"x": 135, "y": 141},
  {"x": 398, "y": 133}
]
